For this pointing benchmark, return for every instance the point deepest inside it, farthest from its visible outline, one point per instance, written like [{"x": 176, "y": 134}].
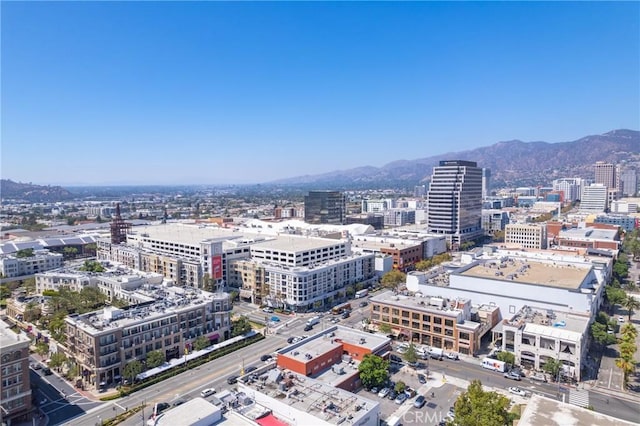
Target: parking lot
[{"x": 436, "y": 406}]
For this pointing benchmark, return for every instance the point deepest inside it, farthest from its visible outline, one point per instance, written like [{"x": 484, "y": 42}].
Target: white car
[
  {"x": 620, "y": 319},
  {"x": 517, "y": 391},
  {"x": 384, "y": 392},
  {"x": 207, "y": 392}
]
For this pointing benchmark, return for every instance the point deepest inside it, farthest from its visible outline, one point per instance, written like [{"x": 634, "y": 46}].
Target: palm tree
[
  {"x": 630, "y": 303},
  {"x": 627, "y": 366}
]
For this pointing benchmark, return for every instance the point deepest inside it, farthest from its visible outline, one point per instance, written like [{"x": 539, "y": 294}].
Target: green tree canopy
[
  {"x": 600, "y": 334},
  {"x": 615, "y": 295},
  {"x": 131, "y": 370},
  {"x": 384, "y": 328},
  {"x": 24, "y": 253},
  {"x": 240, "y": 326},
  {"x": 374, "y": 371},
  {"x": 155, "y": 359},
  {"x": 411, "y": 355},
  {"x": 201, "y": 343},
  {"x": 393, "y": 279},
  {"x": 552, "y": 366},
  {"x": 507, "y": 357},
  {"x": 91, "y": 266},
  {"x": 57, "y": 360},
  {"x": 475, "y": 406},
  {"x": 400, "y": 386}
]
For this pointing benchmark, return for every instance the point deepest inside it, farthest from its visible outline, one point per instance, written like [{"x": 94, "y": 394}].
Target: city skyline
[{"x": 217, "y": 92}]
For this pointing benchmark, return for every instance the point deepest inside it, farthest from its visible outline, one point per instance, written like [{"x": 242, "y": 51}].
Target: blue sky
[{"x": 244, "y": 92}]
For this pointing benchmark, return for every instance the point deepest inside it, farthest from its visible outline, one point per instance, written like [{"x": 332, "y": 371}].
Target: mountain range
[
  {"x": 512, "y": 163},
  {"x": 32, "y": 193}
]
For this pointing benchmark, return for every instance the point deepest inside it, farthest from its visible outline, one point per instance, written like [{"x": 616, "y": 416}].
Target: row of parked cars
[{"x": 398, "y": 397}]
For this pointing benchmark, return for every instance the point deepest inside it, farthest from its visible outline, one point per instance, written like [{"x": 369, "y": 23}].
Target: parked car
[
  {"x": 452, "y": 355},
  {"x": 540, "y": 377},
  {"x": 207, "y": 392},
  {"x": 620, "y": 319},
  {"x": 384, "y": 392},
  {"x": 232, "y": 379},
  {"x": 401, "y": 398},
  {"x": 47, "y": 371},
  {"x": 513, "y": 375},
  {"x": 422, "y": 379},
  {"x": 265, "y": 357},
  {"x": 410, "y": 392},
  {"x": 374, "y": 389},
  {"x": 517, "y": 391},
  {"x": 267, "y": 310},
  {"x": 392, "y": 394},
  {"x": 363, "y": 304},
  {"x": 36, "y": 365},
  {"x": 163, "y": 406},
  {"x": 178, "y": 402},
  {"x": 419, "y": 402}
]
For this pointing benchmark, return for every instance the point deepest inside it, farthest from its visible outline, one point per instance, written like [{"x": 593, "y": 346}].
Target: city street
[{"x": 214, "y": 374}]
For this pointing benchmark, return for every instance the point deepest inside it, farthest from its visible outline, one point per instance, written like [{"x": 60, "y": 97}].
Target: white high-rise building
[
  {"x": 629, "y": 180},
  {"x": 570, "y": 187},
  {"x": 455, "y": 201},
  {"x": 594, "y": 198}
]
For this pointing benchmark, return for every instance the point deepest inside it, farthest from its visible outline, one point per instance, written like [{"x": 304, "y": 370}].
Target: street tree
[
  {"x": 552, "y": 366},
  {"x": 630, "y": 303},
  {"x": 615, "y": 295},
  {"x": 155, "y": 359},
  {"x": 384, "y": 328},
  {"x": 507, "y": 357},
  {"x": 42, "y": 349},
  {"x": 628, "y": 366},
  {"x": 411, "y": 356},
  {"x": 400, "y": 386},
  {"x": 393, "y": 279},
  {"x": 240, "y": 326},
  {"x": 131, "y": 370},
  {"x": 201, "y": 343},
  {"x": 600, "y": 334},
  {"x": 475, "y": 406},
  {"x": 629, "y": 332},
  {"x": 374, "y": 371},
  {"x": 57, "y": 360}
]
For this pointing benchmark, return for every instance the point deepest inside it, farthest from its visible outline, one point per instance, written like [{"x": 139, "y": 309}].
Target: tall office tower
[
  {"x": 594, "y": 198},
  {"x": 629, "y": 181},
  {"x": 605, "y": 174},
  {"x": 419, "y": 191},
  {"x": 454, "y": 201},
  {"x": 486, "y": 182},
  {"x": 325, "y": 207}
]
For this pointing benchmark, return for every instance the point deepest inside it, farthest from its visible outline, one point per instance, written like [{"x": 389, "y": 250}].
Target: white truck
[
  {"x": 313, "y": 321},
  {"x": 494, "y": 364},
  {"x": 436, "y": 353}
]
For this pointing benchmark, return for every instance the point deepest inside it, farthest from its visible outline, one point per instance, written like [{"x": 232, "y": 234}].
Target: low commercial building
[
  {"x": 589, "y": 237},
  {"x": 536, "y": 335},
  {"x": 15, "y": 384},
  {"x": 12, "y": 266},
  {"x": 332, "y": 356},
  {"x": 102, "y": 342},
  {"x": 450, "y": 324},
  {"x": 311, "y": 381}
]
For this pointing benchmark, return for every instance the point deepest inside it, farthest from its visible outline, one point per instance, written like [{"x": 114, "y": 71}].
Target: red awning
[{"x": 270, "y": 420}]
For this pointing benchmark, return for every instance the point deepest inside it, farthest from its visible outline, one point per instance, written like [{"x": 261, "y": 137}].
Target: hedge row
[{"x": 185, "y": 367}]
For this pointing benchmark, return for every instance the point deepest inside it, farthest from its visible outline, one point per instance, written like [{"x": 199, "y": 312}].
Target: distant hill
[
  {"x": 512, "y": 163},
  {"x": 10, "y": 190}
]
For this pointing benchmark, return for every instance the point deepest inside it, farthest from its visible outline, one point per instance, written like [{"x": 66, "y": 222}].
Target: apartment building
[
  {"x": 526, "y": 235},
  {"x": 595, "y": 199},
  {"x": 307, "y": 288},
  {"x": 102, "y": 342},
  {"x": 449, "y": 324},
  {"x": 15, "y": 384},
  {"x": 12, "y": 266},
  {"x": 570, "y": 187}
]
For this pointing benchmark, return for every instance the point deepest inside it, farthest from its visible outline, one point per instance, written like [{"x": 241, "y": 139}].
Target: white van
[{"x": 207, "y": 392}]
